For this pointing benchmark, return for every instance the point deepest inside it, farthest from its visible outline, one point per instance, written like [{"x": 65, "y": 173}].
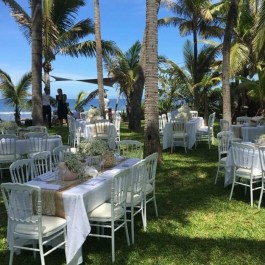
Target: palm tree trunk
[
  {"x": 36, "y": 14},
  {"x": 99, "y": 58},
  {"x": 195, "y": 67},
  {"x": 151, "y": 128},
  {"x": 231, "y": 19}
]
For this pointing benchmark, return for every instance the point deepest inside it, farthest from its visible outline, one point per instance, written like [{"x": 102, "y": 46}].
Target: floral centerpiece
[
  {"x": 72, "y": 167},
  {"x": 184, "y": 112},
  {"x": 8, "y": 126},
  {"x": 93, "y": 114},
  {"x": 96, "y": 147}
]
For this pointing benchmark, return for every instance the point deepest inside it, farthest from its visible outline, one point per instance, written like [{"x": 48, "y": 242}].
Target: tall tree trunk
[
  {"x": 230, "y": 21},
  {"x": 195, "y": 68},
  {"x": 151, "y": 128},
  {"x": 99, "y": 58},
  {"x": 36, "y": 14}
]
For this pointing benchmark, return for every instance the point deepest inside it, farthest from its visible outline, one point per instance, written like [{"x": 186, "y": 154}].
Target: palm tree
[
  {"x": 99, "y": 58},
  {"x": 231, "y": 19},
  {"x": 15, "y": 96},
  {"x": 192, "y": 17},
  {"x": 151, "y": 127},
  {"x": 37, "y": 117},
  {"x": 125, "y": 69},
  {"x": 61, "y": 35}
]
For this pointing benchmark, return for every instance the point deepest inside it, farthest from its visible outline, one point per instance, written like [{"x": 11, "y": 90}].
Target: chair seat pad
[
  {"x": 245, "y": 173},
  {"x": 8, "y": 158},
  {"x": 49, "y": 223},
  {"x": 104, "y": 211},
  {"x": 137, "y": 198},
  {"x": 179, "y": 135},
  {"x": 202, "y": 130},
  {"x": 223, "y": 160}
]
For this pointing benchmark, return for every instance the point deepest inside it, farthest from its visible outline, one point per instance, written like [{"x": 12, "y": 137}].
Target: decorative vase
[
  {"x": 65, "y": 173},
  {"x": 109, "y": 159}
]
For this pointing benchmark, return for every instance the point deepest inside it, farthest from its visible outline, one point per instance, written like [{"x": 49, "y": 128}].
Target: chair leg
[
  {"x": 251, "y": 193},
  {"x": 232, "y": 189},
  {"x": 112, "y": 241},
  {"x": 261, "y": 195},
  {"x": 217, "y": 173},
  {"x": 155, "y": 205},
  {"x": 132, "y": 224}
]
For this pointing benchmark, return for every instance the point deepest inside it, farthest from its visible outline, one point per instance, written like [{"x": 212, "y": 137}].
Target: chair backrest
[
  {"x": 193, "y": 113},
  {"x": 243, "y": 120},
  {"x": 224, "y": 125},
  {"x": 179, "y": 125},
  {"x": 137, "y": 180},
  {"x": 95, "y": 161},
  {"x": 36, "y": 141},
  {"x": 119, "y": 187},
  {"x": 20, "y": 170},
  {"x": 59, "y": 152},
  {"x": 262, "y": 158},
  {"x": 23, "y": 205},
  {"x": 117, "y": 124},
  {"x": 102, "y": 128},
  {"x": 243, "y": 155},
  {"x": 41, "y": 163},
  {"x": 150, "y": 170},
  {"x": 164, "y": 120},
  {"x": 37, "y": 128},
  {"x": 8, "y": 145},
  {"x": 211, "y": 119},
  {"x": 130, "y": 148},
  {"x": 224, "y": 140},
  {"x": 168, "y": 117}
]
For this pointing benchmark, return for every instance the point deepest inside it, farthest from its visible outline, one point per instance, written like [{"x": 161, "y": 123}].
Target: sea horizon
[{"x": 7, "y": 112}]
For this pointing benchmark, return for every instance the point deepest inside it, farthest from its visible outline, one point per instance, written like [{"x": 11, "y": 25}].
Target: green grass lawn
[{"x": 197, "y": 223}]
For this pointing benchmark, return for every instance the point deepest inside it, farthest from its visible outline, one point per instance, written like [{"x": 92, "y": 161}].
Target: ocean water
[{"x": 7, "y": 112}]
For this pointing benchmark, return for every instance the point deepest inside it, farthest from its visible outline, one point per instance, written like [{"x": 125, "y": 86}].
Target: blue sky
[{"x": 121, "y": 21}]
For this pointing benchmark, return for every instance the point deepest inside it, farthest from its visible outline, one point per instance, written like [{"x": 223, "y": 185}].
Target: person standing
[
  {"x": 62, "y": 108},
  {"x": 46, "y": 107}
]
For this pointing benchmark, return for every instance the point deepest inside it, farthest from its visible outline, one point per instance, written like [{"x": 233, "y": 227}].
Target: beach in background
[{"x": 7, "y": 112}]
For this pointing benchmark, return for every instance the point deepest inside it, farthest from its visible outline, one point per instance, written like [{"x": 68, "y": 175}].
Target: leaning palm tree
[{"x": 15, "y": 95}]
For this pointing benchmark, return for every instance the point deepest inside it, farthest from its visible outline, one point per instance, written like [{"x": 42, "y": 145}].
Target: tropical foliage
[{"x": 16, "y": 95}]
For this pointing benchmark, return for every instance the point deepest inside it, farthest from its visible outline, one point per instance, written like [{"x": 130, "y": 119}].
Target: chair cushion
[
  {"x": 104, "y": 211},
  {"x": 245, "y": 173},
  {"x": 136, "y": 198},
  {"x": 179, "y": 135},
  {"x": 203, "y": 129},
  {"x": 148, "y": 188},
  {"x": 49, "y": 223}
]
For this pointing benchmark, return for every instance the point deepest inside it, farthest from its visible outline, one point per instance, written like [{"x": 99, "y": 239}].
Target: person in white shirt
[{"x": 46, "y": 107}]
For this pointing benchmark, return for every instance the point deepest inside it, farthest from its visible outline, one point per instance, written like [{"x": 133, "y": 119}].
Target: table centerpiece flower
[
  {"x": 184, "y": 112},
  {"x": 8, "y": 127},
  {"x": 93, "y": 114}
]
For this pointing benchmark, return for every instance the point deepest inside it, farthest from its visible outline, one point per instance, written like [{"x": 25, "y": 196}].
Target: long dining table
[
  {"x": 76, "y": 200},
  {"x": 247, "y": 133},
  {"x": 191, "y": 128}
]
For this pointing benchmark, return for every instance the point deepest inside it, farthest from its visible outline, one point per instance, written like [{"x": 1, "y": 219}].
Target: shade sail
[{"x": 106, "y": 81}]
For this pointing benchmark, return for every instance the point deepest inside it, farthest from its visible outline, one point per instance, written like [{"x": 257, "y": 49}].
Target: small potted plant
[{"x": 72, "y": 167}]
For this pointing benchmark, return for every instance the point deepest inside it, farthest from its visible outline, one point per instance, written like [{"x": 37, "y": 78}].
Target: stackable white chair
[
  {"x": 59, "y": 152},
  {"x": 8, "y": 152},
  {"x": 224, "y": 125},
  {"x": 168, "y": 117},
  {"x": 41, "y": 163},
  {"x": 130, "y": 149},
  {"x": 224, "y": 141},
  {"x": 243, "y": 119},
  {"x": 262, "y": 163},
  {"x": 74, "y": 132},
  {"x": 205, "y": 133},
  {"x": 102, "y": 128},
  {"x": 112, "y": 213},
  {"x": 37, "y": 128},
  {"x": 193, "y": 113},
  {"x": 244, "y": 173},
  {"x": 24, "y": 209},
  {"x": 117, "y": 124},
  {"x": 20, "y": 171},
  {"x": 135, "y": 194},
  {"x": 179, "y": 134},
  {"x": 150, "y": 181},
  {"x": 36, "y": 142}
]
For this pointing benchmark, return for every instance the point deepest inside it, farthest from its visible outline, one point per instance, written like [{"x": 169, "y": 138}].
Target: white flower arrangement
[
  {"x": 8, "y": 125},
  {"x": 93, "y": 112},
  {"x": 184, "y": 112}
]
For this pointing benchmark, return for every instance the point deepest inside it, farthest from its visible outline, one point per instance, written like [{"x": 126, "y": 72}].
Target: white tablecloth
[
  {"x": 88, "y": 131},
  {"x": 191, "y": 127},
  {"x": 247, "y": 133},
  {"x": 78, "y": 201},
  {"x": 52, "y": 142},
  {"x": 229, "y": 166}
]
